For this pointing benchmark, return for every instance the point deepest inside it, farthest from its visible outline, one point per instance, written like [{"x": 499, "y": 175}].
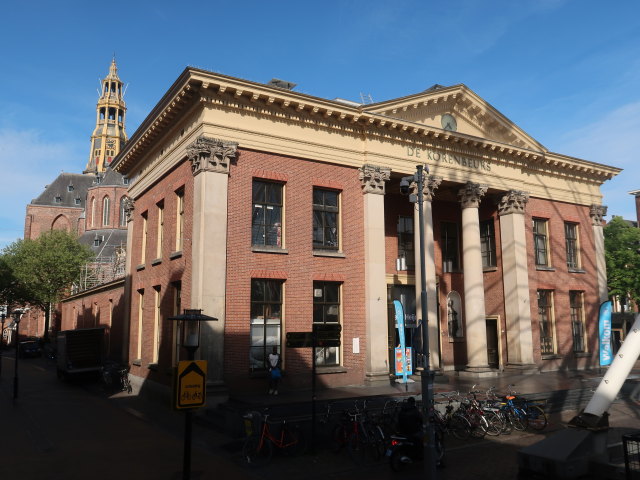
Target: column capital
[
  {"x": 470, "y": 195},
  {"x": 597, "y": 212},
  {"x": 514, "y": 201},
  {"x": 430, "y": 184},
  {"x": 128, "y": 205},
  {"x": 211, "y": 154},
  {"x": 373, "y": 178}
]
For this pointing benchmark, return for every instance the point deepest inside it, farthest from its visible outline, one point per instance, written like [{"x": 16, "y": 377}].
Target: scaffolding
[{"x": 100, "y": 271}]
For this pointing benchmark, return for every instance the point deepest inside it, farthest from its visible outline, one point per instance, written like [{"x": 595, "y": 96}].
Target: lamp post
[
  {"x": 17, "y": 316},
  {"x": 189, "y": 338},
  {"x": 426, "y": 376}
]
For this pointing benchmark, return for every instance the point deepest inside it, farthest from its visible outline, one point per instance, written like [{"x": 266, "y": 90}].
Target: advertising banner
[
  {"x": 604, "y": 329},
  {"x": 401, "y": 358}
]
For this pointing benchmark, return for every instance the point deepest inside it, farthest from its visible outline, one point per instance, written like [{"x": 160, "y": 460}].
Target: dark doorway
[
  {"x": 492, "y": 343},
  {"x": 406, "y": 294}
]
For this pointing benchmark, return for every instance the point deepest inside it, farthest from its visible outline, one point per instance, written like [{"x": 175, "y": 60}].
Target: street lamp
[
  {"x": 17, "y": 316},
  {"x": 189, "y": 337},
  {"x": 426, "y": 376}
]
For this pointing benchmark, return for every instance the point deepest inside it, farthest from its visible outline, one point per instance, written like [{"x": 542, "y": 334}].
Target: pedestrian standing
[{"x": 274, "y": 371}]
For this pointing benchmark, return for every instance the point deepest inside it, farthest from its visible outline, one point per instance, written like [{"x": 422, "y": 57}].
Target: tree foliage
[
  {"x": 40, "y": 271},
  {"x": 622, "y": 253}
]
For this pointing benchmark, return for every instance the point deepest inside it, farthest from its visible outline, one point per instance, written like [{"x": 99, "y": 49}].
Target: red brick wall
[
  {"x": 299, "y": 268},
  {"x": 162, "y": 272},
  {"x": 561, "y": 281},
  {"x": 41, "y": 218},
  {"x": 94, "y": 219}
]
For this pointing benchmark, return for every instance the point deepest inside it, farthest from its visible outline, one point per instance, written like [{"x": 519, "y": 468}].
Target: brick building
[{"x": 273, "y": 210}]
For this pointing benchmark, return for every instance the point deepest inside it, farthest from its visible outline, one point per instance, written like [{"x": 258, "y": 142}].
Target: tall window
[
  {"x": 450, "y": 247},
  {"x": 156, "y": 324},
  {"x": 488, "y": 243},
  {"x": 93, "y": 211},
  {"x": 123, "y": 213},
  {"x": 179, "y": 219},
  {"x": 541, "y": 242},
  {"x": 177, "y": 309},
  {"x": 326, "y": 309},
  {"x": 145, "y": 221},
  {"x": 571, "y": 241},
  {"x": 266, "y": 226},
  {"x": 405, "y": 241},
  {"x": 160, "y": 232},
  {"x": 325, "y": 219},
  {"x": 545, "y": 319},
  {"x": 266, "y": 320},
  {"x": 105, "y": 211},
  {"x": 140, "y": 317},
  {"x": 577, "y": 321}
]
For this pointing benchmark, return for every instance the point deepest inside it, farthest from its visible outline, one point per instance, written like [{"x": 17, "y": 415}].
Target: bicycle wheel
[
  {"x": 293, "y": 442},
  {"x": 339, "y": 438},
  {"x": 518, "y": 419},
  {"x": 459, "y": 427},
  {"x": 494, "y": 425},
  {"x": 478, "y": 424},
  {"x": 255, "y": 453},
  {"x": 536, "y": 417}
]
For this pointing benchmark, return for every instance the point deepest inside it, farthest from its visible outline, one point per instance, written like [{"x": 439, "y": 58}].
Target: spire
[{"x": 109, "y": 134}]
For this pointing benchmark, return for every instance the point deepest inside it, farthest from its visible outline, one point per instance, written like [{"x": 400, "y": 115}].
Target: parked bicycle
[
  {"x": 265, "y": 436},
  {"x": 116, "y": 377}
]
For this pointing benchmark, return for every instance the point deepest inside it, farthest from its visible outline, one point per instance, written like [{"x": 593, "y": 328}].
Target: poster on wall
[{"x": 604, "y": 331}]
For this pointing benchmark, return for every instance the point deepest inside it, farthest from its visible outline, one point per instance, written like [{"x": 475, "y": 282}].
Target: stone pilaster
[
  {"x": 597, "y": 213},
  {"x": 373, "y": 180},
  {"x": 515, "y": 279},
  {"x": 129, "y": 207},
  {"x": 430, "y": 184},
  {"x": 475, "y": 316},
  {"x": 210, "y": 160}
]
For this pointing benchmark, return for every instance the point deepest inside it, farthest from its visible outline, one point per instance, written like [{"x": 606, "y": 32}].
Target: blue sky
[{"x": 565, "y": 71}]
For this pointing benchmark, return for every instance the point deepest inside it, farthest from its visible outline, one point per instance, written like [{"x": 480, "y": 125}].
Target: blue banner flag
[
  {"x": 403, "y": 351},
  {"x": 604, "y": 329}
]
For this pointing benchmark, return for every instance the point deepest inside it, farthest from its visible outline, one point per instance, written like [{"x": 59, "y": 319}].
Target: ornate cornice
[
  {"x": 211, "y": 155},
  {"x": 430, "y": 184},
  {"x": 597, "y": 212},
  {"x": 374, "y": 178},
  {"x": 514, "y": 201},
  {"x": 128, "y": 205},
  {"x": 470, "y": 195}
]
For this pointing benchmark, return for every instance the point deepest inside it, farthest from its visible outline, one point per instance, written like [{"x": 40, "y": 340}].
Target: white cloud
[{"x": 612, "y": 140}]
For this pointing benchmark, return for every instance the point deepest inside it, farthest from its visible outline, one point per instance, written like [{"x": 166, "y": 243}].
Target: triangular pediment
[{"x": 471, "y": 114}]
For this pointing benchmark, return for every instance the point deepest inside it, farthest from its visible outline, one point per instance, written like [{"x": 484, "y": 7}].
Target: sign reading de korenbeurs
[{"x": 190, "y": 385}]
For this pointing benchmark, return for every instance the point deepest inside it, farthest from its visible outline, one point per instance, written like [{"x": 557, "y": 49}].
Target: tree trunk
[{"x": 47, "y": 315}]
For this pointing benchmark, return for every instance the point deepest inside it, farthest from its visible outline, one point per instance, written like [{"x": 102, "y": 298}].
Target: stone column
[
  {"x": 475, "y": 316},
  {"x": 210, "y": 159},
  {"x": 515, "y": 278},
  {"x": 373, "y": 180},
  {"x": 430, "y": 184},
  {"x": 126, "y": 332},
  {"x": 597, "y": 212}
]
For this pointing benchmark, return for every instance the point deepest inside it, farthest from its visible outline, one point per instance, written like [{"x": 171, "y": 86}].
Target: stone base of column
[
  {"x": 522, "y": 368},
  {"x": 478, "y": 372},
  {"x": 377, "y": 378},
  {"x": 217, "y": 393}
]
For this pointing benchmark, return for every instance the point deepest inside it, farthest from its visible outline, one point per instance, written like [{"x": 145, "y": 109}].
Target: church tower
[{"x": 109, "y": 135}]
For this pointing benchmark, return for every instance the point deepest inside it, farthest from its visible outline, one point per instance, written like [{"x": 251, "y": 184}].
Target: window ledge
[
  {"x": 153, "y": 366},
  {"x": 176, "y": 254},
  {"x": 140, "y": 267},
  {"x": 137, "y": 362},
  {"x": 551, "y": 357},
  {"x": 268, "y": 249},
  {"x": 155, "y": 262},
  {"x": 545, "y": 269},
  {"x": 577, "y": 270},
  {"x": 328, "y": 253},
  {"x": 489, "y": 269},
  {"x": 328, "y": 370}
]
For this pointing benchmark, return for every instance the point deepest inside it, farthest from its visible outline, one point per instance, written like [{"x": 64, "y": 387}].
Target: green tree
[
  {"x": 43, "y": 270},
  {"x": 622, "y": 253}
]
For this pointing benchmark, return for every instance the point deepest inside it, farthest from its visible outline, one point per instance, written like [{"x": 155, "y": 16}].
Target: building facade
[{"x": 273, "y": 211}]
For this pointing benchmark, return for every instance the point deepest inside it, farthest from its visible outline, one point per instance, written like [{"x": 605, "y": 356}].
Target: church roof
[
  {"x": 104, "y": 242},
  {"x": 67, "y": 190}
]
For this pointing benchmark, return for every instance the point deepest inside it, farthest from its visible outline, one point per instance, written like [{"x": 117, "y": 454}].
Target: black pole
[
  {"x": 426, "y": 376},
  {"x": 314, "y": 342},
  {"x": 2, "y": 317},
  {"x": 15, "y": 374},
  {"x": 186, "y": 460}
]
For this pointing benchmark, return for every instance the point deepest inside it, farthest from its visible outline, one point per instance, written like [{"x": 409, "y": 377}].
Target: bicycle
[
  {"x": 259, "y": 445},
  {"x": 452, "y": 422},
  {"x": 115, "y": 376}
]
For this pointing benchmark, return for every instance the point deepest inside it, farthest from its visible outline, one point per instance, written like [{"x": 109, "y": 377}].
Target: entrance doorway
[
  {"x": 406, "y": 295},
  {"x": 493, "y": 353}
]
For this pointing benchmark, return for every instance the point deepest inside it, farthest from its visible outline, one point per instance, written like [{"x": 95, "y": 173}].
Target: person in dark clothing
[{"x": 410, "y": 419}]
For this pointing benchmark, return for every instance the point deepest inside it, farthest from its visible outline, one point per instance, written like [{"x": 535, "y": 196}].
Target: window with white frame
[
  {"x": 488, "y": 243},
  {"x": 546, "y": 321},
  {"x": 571, "y": 243},
  {"x": 541, "y": 242},
  {"x": 266, "y": 224},
  {"x": 326, "y": 309},
  {"x": 576, "y": 307},
  {"x": 266, "y": 320},
  {"x": 325, "y": 219}
]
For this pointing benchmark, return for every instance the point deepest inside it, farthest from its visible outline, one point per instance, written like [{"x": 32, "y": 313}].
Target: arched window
[
  {"x": 123, "y": 214},
  {"x": 93, "y": 211},
  {"x": 102, "y": 113},
  {"x": 112, "y": 113},
  {"x": 105, "y": 211}
]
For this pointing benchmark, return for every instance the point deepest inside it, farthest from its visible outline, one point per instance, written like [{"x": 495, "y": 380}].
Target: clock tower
[{"x": 109, "y": 136}]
